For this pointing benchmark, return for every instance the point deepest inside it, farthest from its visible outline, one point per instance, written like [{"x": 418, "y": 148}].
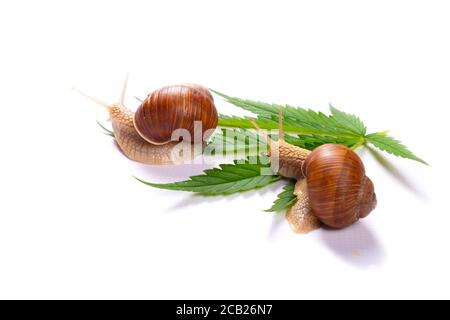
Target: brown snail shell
[
  {"x": 339, "y": 191},
  {"x": 175, "y": 107}
]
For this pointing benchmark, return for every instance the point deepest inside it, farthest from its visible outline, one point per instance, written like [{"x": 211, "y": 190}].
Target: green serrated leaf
[
  {"x": 350, "y": 121},
  {"x": 295, "y": 119},
  {"x": 259, "y": 108},
  {"x": 307, "y": 141},
  {"x": 234, "y": 122},
  {"x": 392, "y": 146},
  {"x": 311, "y": 142},
  {"x": 227, "y": 179},
  {"x": 285, "y": 199},
  {"x": 315, "y": 128},
  {"x": 235, "y": 142}
]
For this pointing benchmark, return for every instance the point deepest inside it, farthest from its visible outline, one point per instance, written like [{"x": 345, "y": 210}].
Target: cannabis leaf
[
  {"x": 392, "y": 146},
  {"x": 311, "y": 142},
  {"x": 308, "y": 129},
  {"x": 351, "y": 122},
  {"x": 296, "y": 120},
  {"x": 286, "y": 198},
  {"x": 305, "y": 139},
  {"x": 264, "y": 123},
  {"x": 237, "y": 122},
  {"x": 227, "y": 179}
]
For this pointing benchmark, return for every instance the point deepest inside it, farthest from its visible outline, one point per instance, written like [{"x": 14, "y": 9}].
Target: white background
[{"x": 75, "y": 224}]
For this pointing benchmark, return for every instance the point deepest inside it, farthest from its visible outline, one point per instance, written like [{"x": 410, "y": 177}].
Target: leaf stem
[{"x": 359, "y": 143}]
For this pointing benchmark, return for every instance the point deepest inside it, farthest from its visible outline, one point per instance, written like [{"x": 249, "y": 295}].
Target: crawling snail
[
  {"x": 332, "y": 187},
  {"x": 146, "y": 135}
]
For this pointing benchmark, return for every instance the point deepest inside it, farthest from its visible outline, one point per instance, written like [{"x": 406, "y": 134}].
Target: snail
[
  {"x": 145, "y": 136},
  {"x": 332, "y": 187}
]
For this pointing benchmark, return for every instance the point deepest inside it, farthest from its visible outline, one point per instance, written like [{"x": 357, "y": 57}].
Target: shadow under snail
[{"x": 145, "y": 136}]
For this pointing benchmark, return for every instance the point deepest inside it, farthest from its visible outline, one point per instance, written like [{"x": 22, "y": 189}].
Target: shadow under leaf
[{"x": 395, "y": 172}]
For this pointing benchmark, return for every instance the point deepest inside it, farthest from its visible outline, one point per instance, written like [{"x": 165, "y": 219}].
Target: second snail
[{"x": 331, "y": 186}]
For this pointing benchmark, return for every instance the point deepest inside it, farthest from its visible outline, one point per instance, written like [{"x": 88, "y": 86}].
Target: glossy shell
[
  {"x": 175, "y": 107},
  {"x": 338, "y": 189}
]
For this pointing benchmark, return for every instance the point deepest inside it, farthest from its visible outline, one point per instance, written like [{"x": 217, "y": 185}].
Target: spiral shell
[
  {"x": 339, "y": 191},
  {"x": 175, "y": 107}
]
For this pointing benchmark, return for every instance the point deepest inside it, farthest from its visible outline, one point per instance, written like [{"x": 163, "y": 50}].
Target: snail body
[
  {"x": 136, "y": 148},
  {"x": 145, "y": 136}
]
